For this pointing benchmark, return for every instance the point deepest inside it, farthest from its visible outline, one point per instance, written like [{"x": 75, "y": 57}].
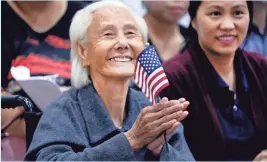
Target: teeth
[
  {"x": 121, "y": 59},
  {"x": 226, "y": 37}
]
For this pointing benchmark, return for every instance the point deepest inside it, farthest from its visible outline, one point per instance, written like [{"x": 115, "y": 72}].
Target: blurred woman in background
[{"x": 164, "y": 33}]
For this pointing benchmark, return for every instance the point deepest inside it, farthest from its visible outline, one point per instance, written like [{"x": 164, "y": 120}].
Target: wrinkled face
[
  {"x": 221, "y": 26},
  {"x": 114, "y": 42},
  {"x": 169, "y": 11}
]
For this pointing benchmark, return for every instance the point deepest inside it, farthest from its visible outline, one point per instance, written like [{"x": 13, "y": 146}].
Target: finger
[
  {"x": 161, "y": 106},
  {"x": 164, "y": 99},
  {"x": 173, "y": 128},
  {"x": 148, "y": 112},
  {"x": 149, "y": 109},
  {"x": 167, "y": 111},
  {"x": 181, "y": 100},
  {"x": 156, "y": 143},
  {"x": 163, "y": 127},
  {"x": 186, "y": 104},
  {"x": 183, "y": 116},
  {"x": 176, "y": 115}
]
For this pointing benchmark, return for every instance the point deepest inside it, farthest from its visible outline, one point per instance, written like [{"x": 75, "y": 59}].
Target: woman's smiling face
[
  {"x": 114, "y": 42},
  {"x": 221, "y": 26}
]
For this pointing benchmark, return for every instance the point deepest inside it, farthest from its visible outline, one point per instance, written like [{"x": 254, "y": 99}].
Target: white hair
[{"x": 78, "y": 30}]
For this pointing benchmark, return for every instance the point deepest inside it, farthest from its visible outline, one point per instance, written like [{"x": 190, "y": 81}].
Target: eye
[
  {"x": 108, "y": 34},
  {"x": 216, "y": 13},
  {"x": 130, "y": 33},
  {"x": 238, "y": 13}
]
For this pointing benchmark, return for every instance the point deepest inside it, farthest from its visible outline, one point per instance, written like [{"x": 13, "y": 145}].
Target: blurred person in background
[
  {"x": 164, "y": 33},
  {"x": 38, "y": 39},
  {"x": 225, "y": 85},
  {"x": 34, "y": 35},
  {"x": 257, "y": 39}
]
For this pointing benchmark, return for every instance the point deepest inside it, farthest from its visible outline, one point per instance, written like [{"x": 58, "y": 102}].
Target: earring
[
  {"x": 84, "y": 64},
  {"x": 147, "y": 44}
]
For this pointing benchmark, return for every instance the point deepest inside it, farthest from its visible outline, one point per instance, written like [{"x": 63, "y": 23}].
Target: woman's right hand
[{"x": 153, "y": 120}]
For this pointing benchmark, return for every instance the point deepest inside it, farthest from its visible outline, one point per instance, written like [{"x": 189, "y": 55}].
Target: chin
[
  {"x": 226, "y": 50},
  {"x": 121, "y": 73},
  {"x": 123, "y": 76}
]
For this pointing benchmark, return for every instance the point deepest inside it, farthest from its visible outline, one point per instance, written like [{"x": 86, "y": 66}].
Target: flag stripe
[
  {"x": 136, "y": 77},
  {"x": 156, "y": 79},
  {"x": 139, "y": 72},
  {"x": 164, "y": 84},
  {"x": 152, "y": 75},
  {"x": 140, "y": 77},
  {"x": 158, "y": 82}
]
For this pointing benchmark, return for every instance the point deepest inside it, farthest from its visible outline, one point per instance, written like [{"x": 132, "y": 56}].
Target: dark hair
[{"x": 194, "y": 5}]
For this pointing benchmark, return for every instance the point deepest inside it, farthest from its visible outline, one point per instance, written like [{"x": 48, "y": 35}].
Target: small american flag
[{"x": 149, "y": 74}]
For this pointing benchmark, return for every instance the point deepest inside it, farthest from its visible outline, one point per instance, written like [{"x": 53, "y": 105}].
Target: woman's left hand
[{"x": 156, "y": 145}]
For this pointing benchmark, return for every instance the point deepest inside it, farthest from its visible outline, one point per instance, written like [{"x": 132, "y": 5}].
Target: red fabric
[{"x": 43, "y": 65}]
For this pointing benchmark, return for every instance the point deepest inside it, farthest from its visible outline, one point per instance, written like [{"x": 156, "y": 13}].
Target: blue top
[
  {"x": 77, "y": 127},
  {"x": 256, "y": 42},
  {"x": 235, "y": 121}
]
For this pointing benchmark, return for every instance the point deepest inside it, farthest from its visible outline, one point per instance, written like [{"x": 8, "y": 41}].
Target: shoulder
[
  {"x": 179, "y": 65},
  {"x": 64, "y": 101},
  {"x": 255, "y": 58}
]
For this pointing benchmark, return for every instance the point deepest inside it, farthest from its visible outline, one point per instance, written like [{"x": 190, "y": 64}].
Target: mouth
[
  {"x": 121, "y": 59},
  {"x": 176, "y": 9},
  {"x": 227, "y": 39}
]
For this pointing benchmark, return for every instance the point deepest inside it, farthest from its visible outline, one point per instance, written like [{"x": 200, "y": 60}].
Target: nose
[
  {"x": 122, "y": 43},
  {"x": 227, "y": 24}
]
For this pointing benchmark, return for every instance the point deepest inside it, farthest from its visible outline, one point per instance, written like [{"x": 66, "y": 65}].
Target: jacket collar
[
  {"x": 211, "y": 76},
  {"x": 97, "y": 118}
]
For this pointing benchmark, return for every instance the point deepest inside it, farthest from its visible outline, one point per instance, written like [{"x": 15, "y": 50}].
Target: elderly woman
[
  {"x": 103, "y": 119},
  {"x": 226, "y": 86}
]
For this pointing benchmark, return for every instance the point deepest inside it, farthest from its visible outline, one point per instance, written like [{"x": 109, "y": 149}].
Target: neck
[
  {"x": 259, "y": 17},
  {"x": 39, "y": 15},
  {"x": 161, "y": 30},
  {"x": 166, "y": 37},
  {"x": 224, "y": 66},
  {"x": 113, "y": 92},
  {"x": 35, "y": 6}
]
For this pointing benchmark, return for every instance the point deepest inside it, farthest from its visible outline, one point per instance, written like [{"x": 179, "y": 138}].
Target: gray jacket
[{"x": 77, "y": 127}]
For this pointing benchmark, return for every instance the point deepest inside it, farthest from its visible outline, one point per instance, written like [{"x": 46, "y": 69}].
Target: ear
[
  {"x": 194, "y": 23},
  {"x": 82, "y": 52}
]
